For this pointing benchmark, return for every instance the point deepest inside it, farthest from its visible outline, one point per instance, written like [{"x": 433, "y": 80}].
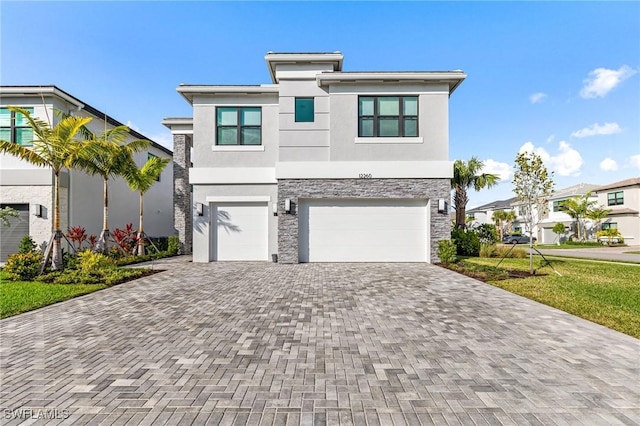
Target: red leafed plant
[
  {"x": 93, "y": 240},
  {"x": 77, "y": 235},
  {"x": 126, "y": 238}
]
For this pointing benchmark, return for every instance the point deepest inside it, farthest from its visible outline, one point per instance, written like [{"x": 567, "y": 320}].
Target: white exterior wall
[
  {"x": 433, "y": 121},
  {"x": 628, "y": 224},
  {"x": 39, "y": 227}
]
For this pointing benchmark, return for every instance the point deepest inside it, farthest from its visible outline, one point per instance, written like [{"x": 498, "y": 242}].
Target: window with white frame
[
  {"x": 387, "y": 116},
  {"x": 15, "y": 128},
  {"x": 238, "y": 126}
]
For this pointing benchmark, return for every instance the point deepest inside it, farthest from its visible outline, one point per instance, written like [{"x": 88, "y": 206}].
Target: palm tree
[
  {"x": 578, "y": 208},
  {"x": 110, "y": 160},
  {"x": 597, "y": 214},
  {"x": 499, "y": 217},
  {"x": 55, "y": 147},
  {"x": 141, "y": 180},
  {"x": 465, "y": 176}
]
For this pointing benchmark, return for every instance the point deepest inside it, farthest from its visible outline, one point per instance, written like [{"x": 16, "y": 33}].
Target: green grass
[
  {"x": 21, "y": 296},
  {"x": 607, "y": 294}
]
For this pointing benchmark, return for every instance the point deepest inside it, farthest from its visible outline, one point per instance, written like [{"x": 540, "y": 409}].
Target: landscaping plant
[
  {"x": 446, "y": 251},
  {"x": 27, "y": 245},
  {"x": 23, "y": 266}
]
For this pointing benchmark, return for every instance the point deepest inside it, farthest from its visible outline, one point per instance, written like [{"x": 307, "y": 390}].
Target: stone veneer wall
[
  {"x": 182, "y": 204},
  {"x": 293, "y": 189}
]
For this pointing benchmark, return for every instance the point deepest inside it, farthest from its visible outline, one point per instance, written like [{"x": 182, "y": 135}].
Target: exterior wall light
[
  {"x": 200, "y": 209},
  {"x": 443, "y": 206}
]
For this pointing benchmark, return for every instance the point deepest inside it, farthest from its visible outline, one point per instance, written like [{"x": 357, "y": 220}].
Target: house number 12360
[{"x": 365, "y": 176}]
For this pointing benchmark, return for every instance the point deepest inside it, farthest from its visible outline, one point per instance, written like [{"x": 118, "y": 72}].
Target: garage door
[
  {"x": 240, "y": 231},
  {"x": 363, "y": 230},
  {"x": 11, "y": 235}
]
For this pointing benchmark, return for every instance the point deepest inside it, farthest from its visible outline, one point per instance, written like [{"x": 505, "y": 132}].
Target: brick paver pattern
[{"x": 363, "y": 344}]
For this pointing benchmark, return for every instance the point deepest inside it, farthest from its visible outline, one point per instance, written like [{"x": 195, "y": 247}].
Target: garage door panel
[
  {"x": 364, "y": 230},
  {"x": 241, "y": 231},
  {"x": 11, "y": 235}
]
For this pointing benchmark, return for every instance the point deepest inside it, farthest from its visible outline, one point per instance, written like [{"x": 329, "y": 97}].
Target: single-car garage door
[
  {"x": 11, "y": 235},
  {"x": 239, "y": 231},
  {"x": 363, "y": 230}
]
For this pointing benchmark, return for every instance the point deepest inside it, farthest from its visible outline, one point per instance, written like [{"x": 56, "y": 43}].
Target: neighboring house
[
  {"x": 555, "y": 214},
  {"x": 623, "y": 199},
  {"x": 484, "y": 214},
  {"x": 320, "y": 165},
  {"x": 29, "y": 189}
]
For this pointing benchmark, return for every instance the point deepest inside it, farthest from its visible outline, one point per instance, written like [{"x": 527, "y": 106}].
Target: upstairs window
[
  {"x": 304, "y": 110},
  {"x": 15, "y": 128},
  {"x": 388, "y": 116},
  {"x": 238, "y": 126},
  {"x": 615, "y": 198},
  {"x": 558, "y": 206}
]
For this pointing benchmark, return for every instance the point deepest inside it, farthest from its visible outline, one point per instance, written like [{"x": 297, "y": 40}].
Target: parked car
[{"x": 517, "y": 239}]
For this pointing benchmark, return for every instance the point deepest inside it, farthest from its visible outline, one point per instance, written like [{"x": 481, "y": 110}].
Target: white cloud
[
  {"x": 608, "y": 165},
  {"x": 537, "y": 98},
  {"x": 597, "y": 129},
  {"x": 503, "y": 170},
  {"x": 634, "y": 160},
  {"x": 602, "y": 80},
  {"x": 567, "y": 162},
  {"x": 132, "y": 126},
  {"x": 551, "y": 138}
]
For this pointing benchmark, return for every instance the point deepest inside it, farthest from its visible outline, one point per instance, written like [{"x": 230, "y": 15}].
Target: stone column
[{"x": 182, "y": 203}]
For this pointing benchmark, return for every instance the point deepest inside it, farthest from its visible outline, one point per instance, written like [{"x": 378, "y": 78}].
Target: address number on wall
[{"x": 365, "y": 176}]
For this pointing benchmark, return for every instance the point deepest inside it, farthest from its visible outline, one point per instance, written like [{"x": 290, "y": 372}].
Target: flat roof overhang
[{"x": 452, "y": 78}]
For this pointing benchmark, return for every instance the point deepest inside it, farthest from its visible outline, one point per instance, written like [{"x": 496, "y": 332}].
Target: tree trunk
[
  {"x": 141, "y": 230},
  {"x": 531, "y": 254},
  {"x": 56, "y": 261},
  {"x": 460, "y": 200},
  {"x": 102, "y": 245}
]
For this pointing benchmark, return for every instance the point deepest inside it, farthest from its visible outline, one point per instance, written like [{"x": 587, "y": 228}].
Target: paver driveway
[{"x": 260, "y": 343}]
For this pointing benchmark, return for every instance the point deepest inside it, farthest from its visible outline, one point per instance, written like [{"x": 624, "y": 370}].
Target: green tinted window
[
  {"x": 304, "y": 110},
  {"x": 388, "y": 116},
  {"x": 238, "y": 126}
]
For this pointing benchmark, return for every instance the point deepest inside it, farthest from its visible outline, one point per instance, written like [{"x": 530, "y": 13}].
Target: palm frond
[
  {"x": 142, "y": 179},
  {"x": 23, "y": 153}
]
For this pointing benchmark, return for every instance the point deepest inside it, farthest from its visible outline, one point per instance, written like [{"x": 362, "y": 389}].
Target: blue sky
[{"x": 558, "y": 78}]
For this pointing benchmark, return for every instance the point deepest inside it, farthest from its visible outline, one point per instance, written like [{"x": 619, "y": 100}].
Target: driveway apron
[{"x": 364, "y": 344}]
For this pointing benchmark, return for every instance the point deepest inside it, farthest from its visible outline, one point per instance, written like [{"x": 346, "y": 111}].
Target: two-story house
[
  {"x": 623, "y": 199},
  {"x": 483, "y": 214},
  {"x": 555, "y": 214},
  {"x": 319, "y": 165},
  {"x": 29, "y": 189}
]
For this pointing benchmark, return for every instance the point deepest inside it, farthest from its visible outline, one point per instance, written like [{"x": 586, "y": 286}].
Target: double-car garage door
[{"x": 363, "y": 230}]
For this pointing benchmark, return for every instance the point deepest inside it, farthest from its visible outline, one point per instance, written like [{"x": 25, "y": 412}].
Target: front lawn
[
  {"x": 605, "y": 293},
  {"x": 22, "y": 296}
]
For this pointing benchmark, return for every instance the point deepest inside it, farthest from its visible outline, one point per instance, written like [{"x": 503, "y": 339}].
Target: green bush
[
  {"x": 488, "y": 234},
  {"x": 27, "y": 245},
  {"x": 173, "y": 245},
  {"x": 23, "y": 266},
  {"x": 109, "y": 276},
  {"x": 90, "y": 262},
  {"x": 446, "y": 251},
  {"x": 487, "y": 250},
  {"x": 467, "y": 242}
]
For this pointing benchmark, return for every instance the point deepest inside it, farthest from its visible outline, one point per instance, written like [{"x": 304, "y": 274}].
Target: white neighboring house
[
  {"x": 29, "y": 189},
  {"x": 319, "y": 165},
  {"x": 484, "y": 214},
  {"x": 556, "y": 215},
  {"x": 623, "y": 199}
]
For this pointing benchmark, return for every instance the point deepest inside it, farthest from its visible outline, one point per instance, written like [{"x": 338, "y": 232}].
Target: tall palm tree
[
  {"x": 468, "y": 175},
  {"x": 111, "y": 159},
  {"x": 597, "y": 214},
  {"x": 141, "y": 180},
  {"x": 578, "y": 208},
  {"x": 56, "y": 147}
]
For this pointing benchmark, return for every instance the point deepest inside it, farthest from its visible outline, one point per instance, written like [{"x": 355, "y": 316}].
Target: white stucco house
[
  {"x": 29, "y": 189},
  {"x": 318, "y": 165},
  {"x": 556, "y": 215},
  {"x": 623, "y": 199},
  {"x": 483, "y": 214}
]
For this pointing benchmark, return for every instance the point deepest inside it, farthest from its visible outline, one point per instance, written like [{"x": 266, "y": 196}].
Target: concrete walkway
[
  {"x": 616, "y": 254},
  {"x": 364, "y": 344}
]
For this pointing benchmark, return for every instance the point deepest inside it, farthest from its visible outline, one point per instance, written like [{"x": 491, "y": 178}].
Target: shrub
[
  {"x": 517, "y": 252},
  {"x": 173, "y": 245},
  {"x": 90, "y": 262},
  {"x": 467, "y": 242},
  {"x": 27, "y": 245},
  {"x": 23, "y": 266},
  {"x": 611, "y": 236},
  {"x": 487, "y": 250},
  {"x": 446, "y": 251},
  {"x": 126, "y": 239},
  {"x": 109, "y": 276},
  {"x": 77, "y": 235},
  {"x": 487, "y": 234}
]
